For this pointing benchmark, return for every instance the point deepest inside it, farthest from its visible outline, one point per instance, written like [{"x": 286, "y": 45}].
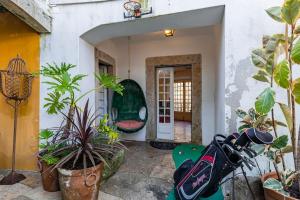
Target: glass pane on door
[
  {"x": 102, "y": 95},
  {"x": 164, "y": 96},
  {"x": 165, "y": 118}
]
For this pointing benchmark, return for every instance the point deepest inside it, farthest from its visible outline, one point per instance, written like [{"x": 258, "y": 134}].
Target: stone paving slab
[
  {"x": 21, "y": 198},
  {"x": 8, "y": 192}
]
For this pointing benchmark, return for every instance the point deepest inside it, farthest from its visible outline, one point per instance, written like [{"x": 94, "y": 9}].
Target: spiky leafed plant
[{"x": 83, "y": 143}]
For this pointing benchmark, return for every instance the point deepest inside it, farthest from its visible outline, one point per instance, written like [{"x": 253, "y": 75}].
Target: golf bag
[{"x": 203, "y": 177}]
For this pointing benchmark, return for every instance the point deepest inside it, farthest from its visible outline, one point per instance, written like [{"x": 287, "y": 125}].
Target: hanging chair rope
[{"x": 129, "y": 58}]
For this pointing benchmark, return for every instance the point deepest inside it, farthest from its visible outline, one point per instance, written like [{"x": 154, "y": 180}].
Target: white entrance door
[
  {"x": 165, "y": 110},
  {"x": 103, "y": 106}
]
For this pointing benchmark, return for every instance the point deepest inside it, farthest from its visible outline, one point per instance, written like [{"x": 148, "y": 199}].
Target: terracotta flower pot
[
  {"x": 49, "y": 177},
  {"x": 273, "y": 194},
  {"x": 75, "y": 185}
]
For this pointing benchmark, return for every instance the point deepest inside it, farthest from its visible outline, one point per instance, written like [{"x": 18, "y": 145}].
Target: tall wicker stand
[{"x": 15, "y": 85}]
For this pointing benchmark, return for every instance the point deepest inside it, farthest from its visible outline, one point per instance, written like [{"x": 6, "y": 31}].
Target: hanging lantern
[{"x": 15, "y": 85}]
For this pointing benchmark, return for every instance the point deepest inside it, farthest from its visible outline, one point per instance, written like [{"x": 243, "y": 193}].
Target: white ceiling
[{"x": 194, "y": 18}]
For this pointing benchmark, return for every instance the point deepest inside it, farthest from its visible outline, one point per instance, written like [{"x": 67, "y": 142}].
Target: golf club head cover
[{"x": 254, "y": 135}]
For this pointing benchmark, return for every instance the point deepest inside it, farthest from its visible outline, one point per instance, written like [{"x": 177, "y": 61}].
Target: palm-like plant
[
  {"x": 85, "y": 143},
  {"x": 63, "y": 88}
]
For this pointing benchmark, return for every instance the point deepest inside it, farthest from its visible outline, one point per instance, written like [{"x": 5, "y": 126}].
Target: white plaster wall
[
  {"x": 243, "y": 33},
  {"x": 220, "y": 78}
]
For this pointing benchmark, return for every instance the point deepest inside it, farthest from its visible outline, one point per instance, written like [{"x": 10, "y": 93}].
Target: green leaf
[
  {"x": 46, "y": 134},
  {"x": 265, "y": 101},
  {"x": 279, "y": 123},
  {"x": 280, "y": 38},
  {"x": 287, "y": 149},
  {"x": 50, "y": 160},
  {"x": 295, "y": 54},
  {"x": 252, "y": 113},
  {"x": 42, "y": 146},
  {"x": 287, "y": 114},
  {"x": 271, "y": 46},
  {"x": 261, "y": 77},
  {"x": 110, "y": 82},
  {"x": 296, "y": 90},
  {"x": 282, "y": 74},
  {"x": 260, "y": 120},
  {"x": 265, "y": 40},
  {"x": 271, "y": 155},
  {"x": 259, "y": 58},
  {"x": 275, "y": 13},
  {"x": 290, "y": 11},
  {"x": 297, "y": 30},
  {"x": 280, "y": 142},
  {"x": 55, "y": 103},
  {"x": 273, "y": 184},
  {"x": 241, "y": 113},
  {"x": 242, "y": 128}
]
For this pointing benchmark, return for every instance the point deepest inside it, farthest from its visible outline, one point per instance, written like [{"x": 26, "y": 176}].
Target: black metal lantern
[{"x": 15, "y": 85}]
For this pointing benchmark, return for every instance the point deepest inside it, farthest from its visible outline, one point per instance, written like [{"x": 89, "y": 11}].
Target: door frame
[
  {"x": 194, "y": 60},
  {"x": 105, "y": 59}
]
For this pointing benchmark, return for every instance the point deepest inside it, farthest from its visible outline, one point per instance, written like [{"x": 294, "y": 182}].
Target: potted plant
[
  {"x": 62, "y": 86},
  {"x": 46, "y": 161},
  {"x": 64, "y": 92},
  {"x": 276, "y": 61},
  {"x": 83, "y": 157}
]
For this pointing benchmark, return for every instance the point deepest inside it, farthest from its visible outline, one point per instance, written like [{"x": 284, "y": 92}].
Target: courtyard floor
[{"x": 147, "y": 173}]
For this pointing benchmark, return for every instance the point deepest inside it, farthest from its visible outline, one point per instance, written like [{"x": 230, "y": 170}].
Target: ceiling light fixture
[{"x": 169, "y": 32}]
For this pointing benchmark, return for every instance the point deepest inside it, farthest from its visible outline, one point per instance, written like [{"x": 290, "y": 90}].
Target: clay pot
[
  {"x": 75, "y": 185},
  {"x": 272, "y": 194},
  {"x": 49, "y": 177}
]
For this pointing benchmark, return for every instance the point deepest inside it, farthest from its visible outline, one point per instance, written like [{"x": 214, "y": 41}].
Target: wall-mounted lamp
[{"x": 169, "y": 32}]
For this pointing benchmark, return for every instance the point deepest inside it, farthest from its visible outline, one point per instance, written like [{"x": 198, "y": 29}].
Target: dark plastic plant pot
[
  {"x": 273, "y": 194},
  {"x": 49, "y": 177},
  {"x": 76, "y": 185}
]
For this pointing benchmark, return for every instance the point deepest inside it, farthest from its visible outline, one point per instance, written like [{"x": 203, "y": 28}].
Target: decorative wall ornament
[{"x": 15, "y": 85}]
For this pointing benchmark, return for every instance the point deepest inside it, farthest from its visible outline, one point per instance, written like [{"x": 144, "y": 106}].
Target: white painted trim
[{"x": 165, "y": 131}]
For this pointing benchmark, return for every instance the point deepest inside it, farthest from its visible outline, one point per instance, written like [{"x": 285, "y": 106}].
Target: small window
[
  {"x": 183, "y": 96},
  {"x": 178, "y": 96}
]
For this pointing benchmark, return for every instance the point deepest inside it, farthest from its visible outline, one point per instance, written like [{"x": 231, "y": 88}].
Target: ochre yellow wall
[{"x": 18, "y": 38}]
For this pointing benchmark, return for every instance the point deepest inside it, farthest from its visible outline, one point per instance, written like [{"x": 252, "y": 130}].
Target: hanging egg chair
[{"x": 129, "y": 111}]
